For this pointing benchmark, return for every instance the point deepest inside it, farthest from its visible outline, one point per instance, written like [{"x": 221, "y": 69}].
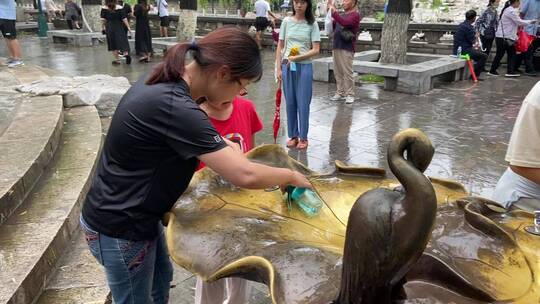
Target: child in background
[{"x": 238, "y": 122}]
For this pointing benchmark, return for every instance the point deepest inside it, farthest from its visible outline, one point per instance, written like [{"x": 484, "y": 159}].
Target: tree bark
[
  {"x": 394, "y": 33},
  {"x": 187, "y": 21}
]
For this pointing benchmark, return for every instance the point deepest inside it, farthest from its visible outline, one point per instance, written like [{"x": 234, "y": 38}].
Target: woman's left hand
[{"x": 293, "y": 58}]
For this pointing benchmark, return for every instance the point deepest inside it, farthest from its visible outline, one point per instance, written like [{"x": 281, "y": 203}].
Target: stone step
[
  {"x": 39, "y": 232},
  {"x": 77, "y": 278},
  {"x": 28, "y": 140}
]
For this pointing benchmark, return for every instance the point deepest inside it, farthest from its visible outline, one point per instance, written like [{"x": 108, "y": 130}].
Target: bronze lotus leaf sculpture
[{"x": 376, "y": 240}]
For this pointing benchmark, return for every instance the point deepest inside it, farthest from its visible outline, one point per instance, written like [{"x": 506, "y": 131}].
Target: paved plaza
[{"x": 469, "y": 124}]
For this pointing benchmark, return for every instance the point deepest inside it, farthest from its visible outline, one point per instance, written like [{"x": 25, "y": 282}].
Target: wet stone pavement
[{"x": 469, "y": 124}]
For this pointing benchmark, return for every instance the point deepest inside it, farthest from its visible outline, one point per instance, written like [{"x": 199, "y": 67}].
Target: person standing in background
[
  {"x": 128, "y": 11},
  {"x": 262, "y": 9},
  {"x": 505, "y": 38},
  {"x": 486, "y": 25},
  {"x": 530, "y": 10},
  {"x": 346, "y": 27},
  {"x": 163, "y": 13},
  {"x": 114, "y": 20},
  {"x": 72, "y": 12},
  {"x": 300, "y": 32},
  {"x": 8, "y": 15},
  {"x": 143, "y": 36}
]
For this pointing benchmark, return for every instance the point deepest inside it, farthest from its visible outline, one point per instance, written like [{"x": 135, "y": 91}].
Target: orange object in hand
[{"x": 294, "y": 51}]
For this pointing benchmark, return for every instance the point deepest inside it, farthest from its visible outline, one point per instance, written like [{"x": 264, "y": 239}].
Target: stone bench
[
  {"x": 417, "y": 77},
  {"x": 75, "y": 37},
  {"x": 160, "y": 43}
]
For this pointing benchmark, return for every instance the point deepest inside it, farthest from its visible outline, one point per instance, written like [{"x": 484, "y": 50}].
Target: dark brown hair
[
  {"x": 111, "y": 4},
  {"x": 226, "y": 46}
]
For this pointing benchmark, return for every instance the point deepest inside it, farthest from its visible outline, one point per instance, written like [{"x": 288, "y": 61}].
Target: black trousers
[
  {"x": 487, "y": 43},
  {"x": 527, "y": 58},
  {"x": 510, "y": 50},
  {"x": 480, "y": 59}
]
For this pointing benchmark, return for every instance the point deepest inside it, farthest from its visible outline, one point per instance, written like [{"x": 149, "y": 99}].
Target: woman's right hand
[
  {"x": 278, "y": 73},
  {"x": 297, "y": 179}
]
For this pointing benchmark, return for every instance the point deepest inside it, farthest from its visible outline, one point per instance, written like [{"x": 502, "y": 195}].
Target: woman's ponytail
[{"x": 506, "y": 5}]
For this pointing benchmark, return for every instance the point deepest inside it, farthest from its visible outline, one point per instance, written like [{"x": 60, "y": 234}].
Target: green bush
[
  {"x": 372, "y": 78},
  {"x": 379, "y": 16},
  {"x": 436, "y": 4}
]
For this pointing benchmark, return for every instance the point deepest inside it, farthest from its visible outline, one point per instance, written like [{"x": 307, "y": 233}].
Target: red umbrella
[{"x": 277, "y": 119}]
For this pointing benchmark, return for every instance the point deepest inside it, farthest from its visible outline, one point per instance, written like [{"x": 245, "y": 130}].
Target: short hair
[{"x": 470, "y": 15}]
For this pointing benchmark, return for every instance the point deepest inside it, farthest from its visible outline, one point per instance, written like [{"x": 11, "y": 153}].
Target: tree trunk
[
  {"x": 91, "y": 19},
  {"x": 394, "y": 33},
  {"x": 187, "y": 21}
]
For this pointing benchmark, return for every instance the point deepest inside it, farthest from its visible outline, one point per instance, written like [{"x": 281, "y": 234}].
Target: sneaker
[
  {"x": 291, "y": 143},
  {"x": 302, "y": 144},
  {"x": 349, "y": 99},
  {"x": 9, "y": 60},
  {"x": 337, "y": 97},
  {"x": 15, "y": 63},
  {"x": 494, "y": 73},
  {"x": 514, "y": 74},
  {"x": 532, "y": 74}
]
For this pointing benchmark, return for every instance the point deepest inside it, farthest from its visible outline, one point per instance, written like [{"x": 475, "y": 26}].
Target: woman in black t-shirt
[{"x": 156, "y": 139}]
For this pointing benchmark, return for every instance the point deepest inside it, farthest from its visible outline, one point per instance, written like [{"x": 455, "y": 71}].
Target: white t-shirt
[
  {"x": 524, "y": 147},
  {"x": 162, "y": 8},
  {"x": 261, "y": 8}
]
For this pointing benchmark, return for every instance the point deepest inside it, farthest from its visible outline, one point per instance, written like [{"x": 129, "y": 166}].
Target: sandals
[
  {"x": 302, "y": 144},
  {"x": 116, "y": 62},
  {"x": 291, "y": 143}
]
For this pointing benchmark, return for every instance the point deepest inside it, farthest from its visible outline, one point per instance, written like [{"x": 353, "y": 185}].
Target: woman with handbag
[
  {"x": 506, "y": 36},
  {"x": 346, "y": 27},
  {"x": 301, "y": 34},
  {"x": 486, "y": 25}
]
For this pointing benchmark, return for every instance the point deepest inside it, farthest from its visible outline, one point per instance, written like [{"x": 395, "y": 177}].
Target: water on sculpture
[{"x": 476, "y": 253}]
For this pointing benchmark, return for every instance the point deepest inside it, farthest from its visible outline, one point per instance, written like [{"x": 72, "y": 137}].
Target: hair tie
[{"x": 193, "y": 46}]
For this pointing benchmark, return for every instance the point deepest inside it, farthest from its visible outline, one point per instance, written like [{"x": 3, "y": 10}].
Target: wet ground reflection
[{"x": 470, "y": 125}]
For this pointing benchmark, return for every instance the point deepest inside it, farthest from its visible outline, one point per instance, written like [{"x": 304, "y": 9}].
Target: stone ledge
[
  {"x": 78, "y": 277},
  {"x": 28, "y": 143},
  {"x": 33, "y": 239},
  {"x": 414, "y": 78},
  {"x": 75, "y": 37}
]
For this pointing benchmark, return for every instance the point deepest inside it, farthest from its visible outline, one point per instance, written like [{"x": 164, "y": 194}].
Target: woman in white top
[{"x": 506, "y": 36}]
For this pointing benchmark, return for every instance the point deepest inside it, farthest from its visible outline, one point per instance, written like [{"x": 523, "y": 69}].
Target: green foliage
[
  {"x": 131, "y": 2},
  {"x": 372, "y": 78},
  {"x": 247, "y": 5},
  {"x": 203, "y": 3},
  {"x": 379, "y": 16},
  {"x": 274, "y": 4},
  {"x": 436, "y": 4}
]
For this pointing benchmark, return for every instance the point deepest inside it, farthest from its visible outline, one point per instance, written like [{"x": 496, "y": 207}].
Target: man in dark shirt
[{"x": 465, "y": 38}]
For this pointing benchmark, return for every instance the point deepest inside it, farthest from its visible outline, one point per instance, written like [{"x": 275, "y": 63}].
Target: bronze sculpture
[{"x": 477, "y": 253}]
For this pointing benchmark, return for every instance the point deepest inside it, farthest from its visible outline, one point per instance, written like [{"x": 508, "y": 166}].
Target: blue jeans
[
  {"x": 298, "y": 90},
  {"x": 138, "y": 272}
]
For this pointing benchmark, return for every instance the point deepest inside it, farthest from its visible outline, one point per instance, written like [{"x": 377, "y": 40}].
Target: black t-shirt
[{"x": 148, "y": 159}]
